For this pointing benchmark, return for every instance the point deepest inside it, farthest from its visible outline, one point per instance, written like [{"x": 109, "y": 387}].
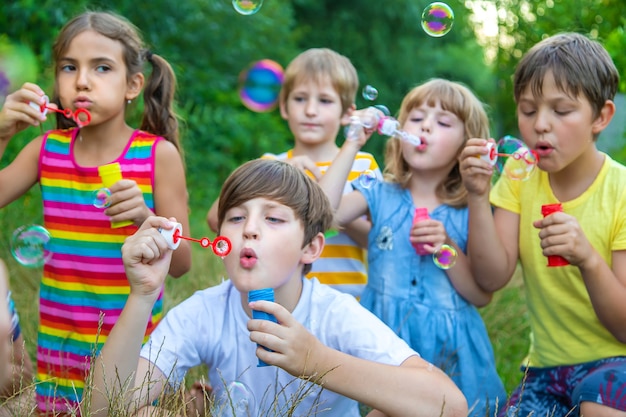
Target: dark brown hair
[
  {"x": 580, "y": 66},
  {"x": 159, "y": 117}
]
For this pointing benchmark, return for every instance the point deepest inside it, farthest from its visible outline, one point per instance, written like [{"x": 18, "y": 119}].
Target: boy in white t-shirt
[{"x": 326, "y": 353}]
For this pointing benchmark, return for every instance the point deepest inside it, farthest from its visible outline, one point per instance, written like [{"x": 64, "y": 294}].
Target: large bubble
[
  {"x": 29, "y": 245},
  {"x": 247, "y": 7},
  {"x": 437, "y": 19},
  {"x": 515, "y": 159},
  {"x": 259, "y": 85}
]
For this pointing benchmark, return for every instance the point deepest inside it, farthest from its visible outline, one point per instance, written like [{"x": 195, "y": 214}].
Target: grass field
[{"x": 505, "y": 317}]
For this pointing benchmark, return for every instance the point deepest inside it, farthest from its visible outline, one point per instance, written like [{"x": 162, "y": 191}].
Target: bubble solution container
[
  {"x": 546, "y": 210},
  {"x": 421, "y": 213},
  {"x": 265, "y": 294}
]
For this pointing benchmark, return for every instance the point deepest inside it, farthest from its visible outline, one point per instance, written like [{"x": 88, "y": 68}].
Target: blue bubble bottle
[{"x": 264, "y": 294}]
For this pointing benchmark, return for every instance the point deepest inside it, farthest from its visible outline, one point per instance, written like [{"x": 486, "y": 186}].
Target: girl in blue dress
[{"x": 433, "y": 309}]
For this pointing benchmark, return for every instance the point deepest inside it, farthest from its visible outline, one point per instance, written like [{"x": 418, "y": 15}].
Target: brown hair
[
  {"x": 159, "y": 117},
  {"x": 319, "y": 64},
  {"x": 283, "y": 183},
  {"x": 455, "y": 98},
  {"x": 579, "y": 66}
]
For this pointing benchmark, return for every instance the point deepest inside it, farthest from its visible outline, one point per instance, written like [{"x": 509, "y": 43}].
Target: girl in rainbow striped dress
[{"x": 99, "y": 59}]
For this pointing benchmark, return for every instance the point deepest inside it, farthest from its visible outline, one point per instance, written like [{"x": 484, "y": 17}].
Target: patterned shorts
[{"x": 558, "y": 391}]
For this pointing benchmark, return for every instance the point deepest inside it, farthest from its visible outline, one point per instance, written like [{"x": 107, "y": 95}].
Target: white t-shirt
[{"x": 210, "y": 328}]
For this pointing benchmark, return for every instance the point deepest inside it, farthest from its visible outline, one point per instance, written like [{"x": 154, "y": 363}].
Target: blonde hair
[
  {"x": 455, "y": 98},
  {"x": 319, "y": 65}
]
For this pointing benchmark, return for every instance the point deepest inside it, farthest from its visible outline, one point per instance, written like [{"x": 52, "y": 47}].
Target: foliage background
[{"x": 208, "y": 44}]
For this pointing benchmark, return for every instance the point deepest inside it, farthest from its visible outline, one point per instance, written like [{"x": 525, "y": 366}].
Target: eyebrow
[{"x": 91, "y": 61}]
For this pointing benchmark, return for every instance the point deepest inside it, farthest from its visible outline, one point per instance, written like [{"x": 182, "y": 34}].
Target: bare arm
[
  {"x": 607, "y": 291},
  {"x": 118, "y": 368},
  {"x": 171, "y": 200},
  {"x": 493, "y": 238},
  {"x": 463, "y": 281}
]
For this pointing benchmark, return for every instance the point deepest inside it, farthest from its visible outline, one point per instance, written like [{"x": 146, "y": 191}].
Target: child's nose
[
  {"x": 250, "y": 230},
  {"x": 82, "y": 80}
]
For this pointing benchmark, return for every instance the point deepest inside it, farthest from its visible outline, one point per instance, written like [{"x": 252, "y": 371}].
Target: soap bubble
[
  {"x": 101, "y": 198},
  {"x": 237, "y": 401},
  {"x": 437, "y": 19},
  {"x": 367, "y": 178},
  {"x": 259, "y": 85},
  {"x": 29, "y": 245},
  {"x": 445, "y": 257},
  {"x": 515, "y": 159},
  {"x": 370, "y": 93},
  {"x": 247, "y": 7}
]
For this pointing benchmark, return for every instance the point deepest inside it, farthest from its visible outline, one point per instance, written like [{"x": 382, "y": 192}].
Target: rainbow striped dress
[{"x": 84, "y": 287}]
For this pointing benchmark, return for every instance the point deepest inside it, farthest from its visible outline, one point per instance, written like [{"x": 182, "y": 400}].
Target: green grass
[{"x": 505, "y": 317}]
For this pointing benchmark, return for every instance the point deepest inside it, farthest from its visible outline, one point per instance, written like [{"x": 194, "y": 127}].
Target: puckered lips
[
  {"x": 247, "y": 258},
  {"x": 543, "y": 148}
]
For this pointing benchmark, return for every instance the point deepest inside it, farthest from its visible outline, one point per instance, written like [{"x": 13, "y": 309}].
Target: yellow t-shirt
[
  {"x": 343, "y": 263},
  {"x": 564, "y": 327}
]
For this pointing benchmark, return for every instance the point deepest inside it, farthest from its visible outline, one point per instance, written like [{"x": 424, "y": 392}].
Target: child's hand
[
  {"x": 292, "y": 347},
  {"x": 17, "y": 114},
  {"x": 127, "y": 203},
  {"x": 475, "y": 172},
  {"x": 147, "y": 257},
  {"x": 560, "y": 234},
  {"x": 429, "y": 232},
  {"x": 305, "y": 164}
]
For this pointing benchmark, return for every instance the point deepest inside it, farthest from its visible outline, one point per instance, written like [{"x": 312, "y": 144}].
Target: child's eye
[
  {"x": 326, "y": 101},
  {"x": 444, "y": 124},
  {"x": 562, "y": 112},
  {"x": 235, "y": 219},
  {"x": 103, "y": 68},
  {"x": 274, "y": 219},
  {"x": 416, "y": 119},
  {"x": 68, "y": 68}
]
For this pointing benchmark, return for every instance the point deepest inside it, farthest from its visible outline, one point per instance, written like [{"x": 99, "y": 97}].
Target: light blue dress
[{"x": 417, "y": 300}]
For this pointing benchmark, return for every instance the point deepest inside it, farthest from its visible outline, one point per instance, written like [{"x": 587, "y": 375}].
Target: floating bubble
[
  {"x": 370, "y": 93},
  {"x": 237, "y": 401},
  {"x": 247, "y": 7},
  {"x": 445, "y": 257},
  {"x": 101, "y": 198},
  {"x": 367, "y": 178},
  {"x": 259, "y": 85},
  {"x": 29, "y": 245},
  {"x": 515, "y": 159},
  {"x": 383, "y": 109},
  {"x": 437, "y": 19},
  {"x": 18, "y": 64}
]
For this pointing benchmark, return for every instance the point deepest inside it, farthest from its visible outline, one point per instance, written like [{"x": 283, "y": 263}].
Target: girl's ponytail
[{"x": 159, "y": 117}]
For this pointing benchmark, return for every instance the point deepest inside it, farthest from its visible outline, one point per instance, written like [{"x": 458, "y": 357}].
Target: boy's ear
[
  {"x": 313, "y": 249},
  {"x": 345, "y": 118},
  {"x": 283, "y": 110},
  {"x": 135, "y": 85},
  {"x": 604, "y": 118}
]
